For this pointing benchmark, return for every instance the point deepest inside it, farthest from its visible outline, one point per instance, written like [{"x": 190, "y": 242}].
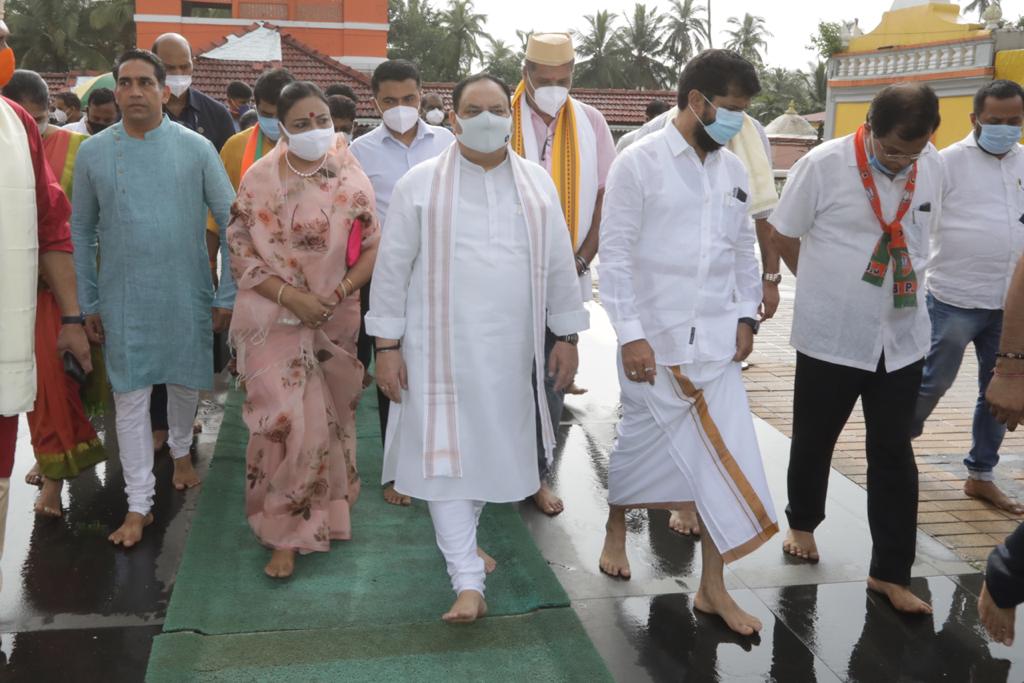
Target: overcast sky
[{"x": 790, "y": 21}]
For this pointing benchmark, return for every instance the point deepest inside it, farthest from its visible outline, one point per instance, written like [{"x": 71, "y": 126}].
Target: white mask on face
[
  {"x": 550, "y": 98},
  {"x": 179, "y": 84},
  {"x": 310, "y": 145},
  {"x": 485, "y": 132},
  {"x": 435, "y": 117},
  {"x": 61, "y": 117},
  {"x": 401, "y": 119}
]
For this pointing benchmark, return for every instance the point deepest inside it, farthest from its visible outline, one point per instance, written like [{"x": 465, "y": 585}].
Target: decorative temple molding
[{"x": 917, "y": 61}]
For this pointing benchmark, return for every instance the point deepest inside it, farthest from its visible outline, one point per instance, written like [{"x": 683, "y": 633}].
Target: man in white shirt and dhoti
[
  {"x": 474, "y": 264},
  {"x": 681, "y": 284}
]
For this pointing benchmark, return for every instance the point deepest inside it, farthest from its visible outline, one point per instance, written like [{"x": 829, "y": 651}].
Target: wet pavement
[{"x": 73, "y": 608}]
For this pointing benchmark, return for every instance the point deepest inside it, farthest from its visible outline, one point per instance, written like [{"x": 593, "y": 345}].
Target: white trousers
[
  {"x": 455, "y": 523},
  {"x": 135, "y": 438}
]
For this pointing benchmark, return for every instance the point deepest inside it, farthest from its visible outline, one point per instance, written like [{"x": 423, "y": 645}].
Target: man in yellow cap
[{"x": 573, "y": 142}]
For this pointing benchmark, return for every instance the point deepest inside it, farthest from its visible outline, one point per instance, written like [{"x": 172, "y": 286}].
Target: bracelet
[
  {"x": 581, "y": 265},
  {"x": 280, "y": 292},
  {"x": 1010, "y": 355},
  {"x": 351, "y": 286},
  {"x": 396, "y": 347}
]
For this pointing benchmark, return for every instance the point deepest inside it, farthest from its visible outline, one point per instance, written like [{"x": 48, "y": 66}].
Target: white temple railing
[{"x": 917, "y": 60}]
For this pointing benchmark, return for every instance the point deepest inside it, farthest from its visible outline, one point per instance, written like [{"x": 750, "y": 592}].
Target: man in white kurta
[
  {"x": 474, "y": 263},
  {"x": 680, "y": 282}
]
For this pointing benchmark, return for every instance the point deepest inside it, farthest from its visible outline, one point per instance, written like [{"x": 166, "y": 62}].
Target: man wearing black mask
[{"x": 100, "y": 113}]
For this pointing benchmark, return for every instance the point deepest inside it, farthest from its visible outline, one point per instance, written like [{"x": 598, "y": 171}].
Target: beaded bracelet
[{"x": 1010, "y": 355}]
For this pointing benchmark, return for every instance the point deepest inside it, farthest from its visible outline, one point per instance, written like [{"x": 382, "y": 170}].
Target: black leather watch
[
  {"x": 72, "y": 320},
  {"x": 573, "y": 339},
  {"x": 755, "y": 325}
]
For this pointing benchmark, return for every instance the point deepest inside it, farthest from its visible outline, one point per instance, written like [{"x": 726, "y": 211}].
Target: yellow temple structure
[{"x": 924, "y": 42}]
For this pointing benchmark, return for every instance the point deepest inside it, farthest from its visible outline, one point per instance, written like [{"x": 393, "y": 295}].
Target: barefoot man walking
[{"x": 681, "y": 284}]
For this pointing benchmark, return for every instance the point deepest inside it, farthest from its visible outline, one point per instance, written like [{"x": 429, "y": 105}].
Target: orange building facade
[{"x": 355, "y": 32}]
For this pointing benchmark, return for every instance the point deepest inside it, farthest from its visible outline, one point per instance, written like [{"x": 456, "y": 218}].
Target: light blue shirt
[
  {"x": 143, "y": 204},
  {"x": 385, "y": 159}
]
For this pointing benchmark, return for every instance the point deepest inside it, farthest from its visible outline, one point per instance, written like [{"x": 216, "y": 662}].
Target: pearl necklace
[{"x": 300, "y": 173}]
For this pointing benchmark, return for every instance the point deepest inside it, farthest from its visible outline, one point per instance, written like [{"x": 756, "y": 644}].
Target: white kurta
[{"x": 493, "y": 342}]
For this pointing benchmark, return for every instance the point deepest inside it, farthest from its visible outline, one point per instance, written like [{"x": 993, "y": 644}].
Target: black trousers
[
  {"x": 364, "y": 351},
  {"x": 158, "y": 408},
  {"x": 823, "y": 398}
]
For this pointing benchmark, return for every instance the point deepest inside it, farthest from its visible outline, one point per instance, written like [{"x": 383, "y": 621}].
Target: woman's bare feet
[
  {"x": 718, "y": 601},
  {"x": 801, "y": 544},
  {"x": 684, "y": 521},
  {"x": 547, "y": 502},
  {"x": 988, "y": 491},
  {"x": 394, "y": 497},
  {"x": 998, "y": 621},
  {"x": 130, "y": 532},
  {"x": 48, "y": 503},
  {"x": 614, "y": 561},
  {"x": 468, "y": 607},
  {"x": 900, "y": 597},
  {"x": 159, "y": 438},
  {"x": 281, "y": 565},
  {"x": 34, "y": 478},
  {"x": 185, "y": 476},
  {"x": 490, "y": 564}
]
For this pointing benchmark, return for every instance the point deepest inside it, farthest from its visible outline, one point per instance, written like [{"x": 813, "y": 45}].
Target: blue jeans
[{"x": 952, "y": 330}]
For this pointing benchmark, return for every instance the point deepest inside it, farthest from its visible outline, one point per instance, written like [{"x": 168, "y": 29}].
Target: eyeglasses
[{"x": 899, "y": 156}]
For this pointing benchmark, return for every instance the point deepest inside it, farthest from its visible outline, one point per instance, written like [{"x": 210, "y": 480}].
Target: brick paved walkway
[{"x": 969, "y": 527}]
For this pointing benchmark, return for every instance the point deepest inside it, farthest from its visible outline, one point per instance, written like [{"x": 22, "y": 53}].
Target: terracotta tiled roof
[{"x": 58, "y": 82}]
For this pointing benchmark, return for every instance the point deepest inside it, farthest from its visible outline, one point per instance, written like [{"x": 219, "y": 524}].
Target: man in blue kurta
[{"x": 142, "y": 191}]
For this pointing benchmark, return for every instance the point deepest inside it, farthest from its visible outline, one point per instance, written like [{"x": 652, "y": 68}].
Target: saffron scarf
[
  {"x": 892, "y": 245},
  {"x": 253, "y": 151},
  {"x": 565, "y": 157},
  {"x": 441, "y": 456}
]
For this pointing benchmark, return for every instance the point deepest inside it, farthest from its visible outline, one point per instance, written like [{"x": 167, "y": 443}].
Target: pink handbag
[{"x": 355, "y": 243}]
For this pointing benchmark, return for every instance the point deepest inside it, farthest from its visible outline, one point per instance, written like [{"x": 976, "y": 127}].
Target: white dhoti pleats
[
  {"x": 683, "y": 440},
  {"x": 455, "y": 523}
]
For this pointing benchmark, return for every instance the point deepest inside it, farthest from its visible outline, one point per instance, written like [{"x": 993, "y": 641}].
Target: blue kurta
[{"x": 144, "y": 203}]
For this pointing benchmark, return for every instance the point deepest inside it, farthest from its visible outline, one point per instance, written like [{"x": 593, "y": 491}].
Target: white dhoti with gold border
[{"x": 690, "y": 437}]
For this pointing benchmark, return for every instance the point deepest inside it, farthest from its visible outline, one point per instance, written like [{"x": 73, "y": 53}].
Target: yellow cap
[{"x": 550, "y": 49}]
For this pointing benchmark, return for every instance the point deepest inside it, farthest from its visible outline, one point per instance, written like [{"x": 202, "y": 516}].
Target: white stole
[
  {"x": 441, "y": 456},
  {"x": 587, "y": 139},
  {"x": 19, "y": 266}
]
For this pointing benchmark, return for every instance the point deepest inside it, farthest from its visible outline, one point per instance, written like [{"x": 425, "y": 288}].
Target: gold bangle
[
  {"x": 280, "y": 292},
  {"x": 351, "y": 285}
]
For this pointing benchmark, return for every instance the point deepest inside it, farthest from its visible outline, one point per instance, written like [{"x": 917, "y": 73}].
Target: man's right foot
[
  {"x": 468, "y": 607},
  {"x": 900, "y": 597},
  {"x": 547, "y": 502},
  {"x": 801, "y": 544},
  {"x": 394, "y": 497},
  {"x": 998, "y": 621},
  {"x": 281, "y": 565},
  {"x": 130, "y": 532},
  {"x": 48, "y": 502},
  {"x": 684, "y": 521},
  {"x": 718, "y": 601},
  {"x": 614, "y": 561},
  {"x": 988, "y": 491}
]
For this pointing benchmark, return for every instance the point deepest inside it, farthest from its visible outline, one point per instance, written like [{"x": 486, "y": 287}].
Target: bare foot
[
  {"x": 900, "y": 597},
  {"x": 490, "y": 564},
  {"x": 394, "y": 497},
  {"x": 185, "y": 476},
  {"x": 197, "y": 427},
  {"x": 547, "y": 502},
  {"x": 988, "y": 491},
  {"x": 614, "y": 561},
  {"x": 718, "y": 601},
  {"x": 801, "y": 544},
  {"x": 34, "y": 478},
  {"x": 281, "y": 565},
  {"x": 998, "y": 621},
  {"x": 468, "y": 607},
  {"x": 159, "y": 438},
  {"x": 48, "y": 502},
  {"x": 130, "y": 532},
  {"x": 574, "y": 390},
  {"x": 684, "y": 521}
]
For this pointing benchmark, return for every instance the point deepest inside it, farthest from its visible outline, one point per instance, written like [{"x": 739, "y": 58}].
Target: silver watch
[{"x": 774, "y": 278}]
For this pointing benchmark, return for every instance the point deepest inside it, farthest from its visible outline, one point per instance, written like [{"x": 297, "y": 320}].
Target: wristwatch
[
  {"x": 573, "y": 339},
  {"x": 774, "y": 278},
  {"x": 72, "y": 319},
  {"x": 755, "y": 325}
]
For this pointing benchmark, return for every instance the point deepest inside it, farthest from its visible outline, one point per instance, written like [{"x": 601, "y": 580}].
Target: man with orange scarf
[{"x": 573, "y": 142}]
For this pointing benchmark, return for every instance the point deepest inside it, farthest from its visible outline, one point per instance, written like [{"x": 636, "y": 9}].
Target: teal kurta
[{"x": 144, "y": 204}]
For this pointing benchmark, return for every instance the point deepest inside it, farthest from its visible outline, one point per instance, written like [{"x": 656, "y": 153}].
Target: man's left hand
[
  {"x": 769, "y": 300},
  {"x": 72, "y": 338},
  {"x": 1005, "y": 396},
  {"x": 221, "y": 319},
  {"x": 744, "y": 342},
  {"x": 562, "y": 364}
]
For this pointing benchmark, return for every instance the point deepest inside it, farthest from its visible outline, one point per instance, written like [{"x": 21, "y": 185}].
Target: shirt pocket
[{"x": 731, "y": 217}]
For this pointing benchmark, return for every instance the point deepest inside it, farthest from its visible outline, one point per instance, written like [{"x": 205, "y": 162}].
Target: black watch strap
[
  {"x": 573, "y": 339},
  {"x": 72, "y": 320},
  {"x": 755, "y": 324}
]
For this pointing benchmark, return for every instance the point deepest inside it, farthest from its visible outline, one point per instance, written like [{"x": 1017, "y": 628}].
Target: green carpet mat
[{"x": 548, "y": 645}]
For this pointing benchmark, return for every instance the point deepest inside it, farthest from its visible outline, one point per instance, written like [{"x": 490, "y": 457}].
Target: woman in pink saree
[{"x": 303, "y": 238}]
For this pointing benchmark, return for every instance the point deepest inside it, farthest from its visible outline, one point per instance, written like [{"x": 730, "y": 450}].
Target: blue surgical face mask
[
  {"x": 725, "y": 127},
  {"x": 880, "y": 167},
  {"x": 998, "y": 139},
  {"x": 270, "y": 126}
]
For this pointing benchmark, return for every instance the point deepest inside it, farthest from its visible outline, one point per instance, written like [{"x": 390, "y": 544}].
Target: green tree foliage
[
  {"x": 640, "y": 45},
  {"x": 827, "y": 41},
  {"x": 416, "y": 34},
  {"x": 687, "y": 32},
  {"x": 980, "y": 5},
  {"x": 601, "y": 63},
  {"x": 463, "y": 29},
  {"x": 748, "y": 37},
  {"x": 504, "y": 62},
  {"x": 56, "y": 35}
]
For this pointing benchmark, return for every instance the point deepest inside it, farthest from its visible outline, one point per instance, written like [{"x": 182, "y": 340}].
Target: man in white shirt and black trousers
[
  {"x": 857, "y": 213},
  {"x": 978, "y": 241}
]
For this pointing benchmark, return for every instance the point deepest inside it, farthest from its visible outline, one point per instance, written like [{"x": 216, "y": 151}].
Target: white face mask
[
  {"x": 179, "y": 84},
  {"x": 401, "y": 119},
  {"x": 61, "y": 117},
  {"x": 485, "y": 132},
  {"x": 310, "y": 145},
  {"x": 550, "y": 98},
  {"x": 435, "y": 117}
]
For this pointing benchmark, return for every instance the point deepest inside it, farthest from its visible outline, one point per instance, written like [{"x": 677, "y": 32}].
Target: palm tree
[
  {"x": 748, "y": 37},
  {"x": 602, "y": 67},
  {"x": 464, "y": 29},
  {"x": 502, "y": 61},
  {"x": 687, "y": 32},
  {"x": 779, "y": 88},
  {"x": 52, "y": 35},
  {"x": 980, "y": 5},
  {"x": 639, "y": 43},
  {"x": 817, "y": 83}
]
